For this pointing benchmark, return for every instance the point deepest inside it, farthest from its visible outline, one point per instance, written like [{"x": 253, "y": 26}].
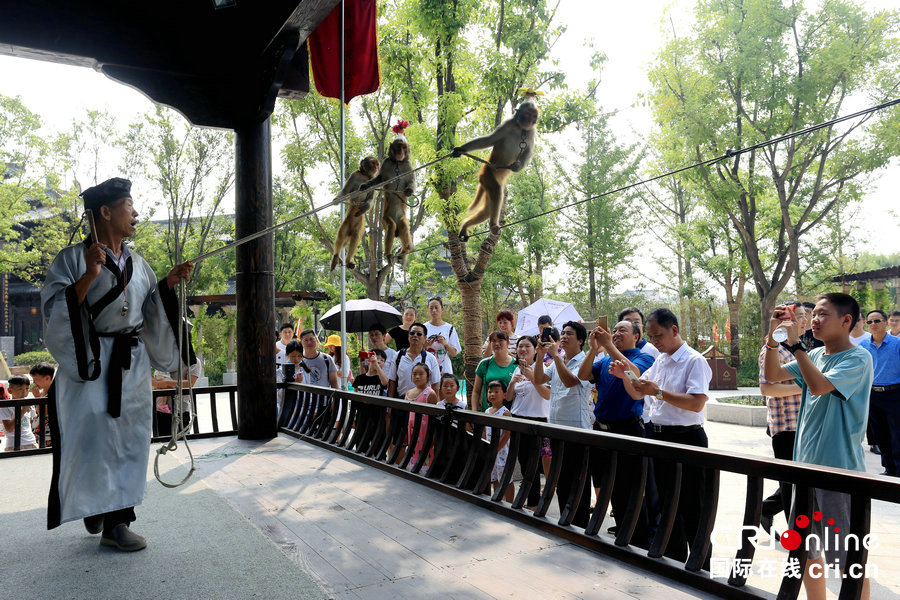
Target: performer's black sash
[{"x": 119, "y": 360}]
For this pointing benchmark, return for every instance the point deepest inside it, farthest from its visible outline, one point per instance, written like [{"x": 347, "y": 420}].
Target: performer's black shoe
[
  {"x": 94, "y": 524},
  {"x": 123, "y": 539}
]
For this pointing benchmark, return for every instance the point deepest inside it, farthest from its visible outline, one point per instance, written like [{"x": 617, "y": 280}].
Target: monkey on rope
[
  {"x": 396, "y": 194},
  {"x": 350, "y": 232},
  {"x": 512, "y": 144}
]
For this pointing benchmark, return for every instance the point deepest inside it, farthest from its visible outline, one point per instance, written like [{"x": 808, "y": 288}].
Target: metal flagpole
[{"x": 343, "y": 350}]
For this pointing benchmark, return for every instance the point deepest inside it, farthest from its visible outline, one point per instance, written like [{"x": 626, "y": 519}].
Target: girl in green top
[{"x": 500, "y": 365}]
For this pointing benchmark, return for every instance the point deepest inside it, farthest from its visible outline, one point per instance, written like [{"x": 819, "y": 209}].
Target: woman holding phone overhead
[{"x": 531, "y": 402}]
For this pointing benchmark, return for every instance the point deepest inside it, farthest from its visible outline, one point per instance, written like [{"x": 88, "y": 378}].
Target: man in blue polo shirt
[
  {"x": 884, "y": 401},
  {"x": 617, "y": 412}
]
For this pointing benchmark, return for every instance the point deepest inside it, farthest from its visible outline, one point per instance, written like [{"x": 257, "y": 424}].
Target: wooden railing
[
  {"x": 206, "y": 420},
  {"x": 206, "y": 406},
  {"x": 15, "y": 437},
  {"x": 358, "y": 426}
]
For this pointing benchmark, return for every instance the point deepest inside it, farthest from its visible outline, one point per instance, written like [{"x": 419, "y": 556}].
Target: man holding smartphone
[
  {"x": 617, "y": 412},
  {"x": 678, "y": 387},
  {"x": 835, "y": 381},
  {"x": 570, "y": 404}
]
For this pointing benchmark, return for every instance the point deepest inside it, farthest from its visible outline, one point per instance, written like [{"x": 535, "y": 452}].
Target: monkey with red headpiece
[
  {"x": 350, "y": 232},
  {"x": 394, "y": 219},
  {"x": 511, "y": 146}
]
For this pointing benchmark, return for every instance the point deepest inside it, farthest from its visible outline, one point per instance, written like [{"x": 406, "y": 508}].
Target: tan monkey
[
  {"x": 396, "y": 194},
  {"x": 350, "y": 232},
  {"x": 512, "y": 144}
]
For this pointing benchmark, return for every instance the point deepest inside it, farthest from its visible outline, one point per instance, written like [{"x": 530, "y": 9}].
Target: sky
[{"x": 629, "y": 33}]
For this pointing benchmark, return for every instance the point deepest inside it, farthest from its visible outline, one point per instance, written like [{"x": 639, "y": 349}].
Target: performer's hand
[
  {"x": 178, "y": 273},
  {"x": 94, "y": 257}
]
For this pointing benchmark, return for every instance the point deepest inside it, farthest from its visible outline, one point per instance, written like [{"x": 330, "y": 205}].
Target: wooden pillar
[{"x": 255, "y": 284}]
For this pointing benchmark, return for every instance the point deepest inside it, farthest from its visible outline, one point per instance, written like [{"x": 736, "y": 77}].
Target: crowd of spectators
[{"x": 822, "y": 385}]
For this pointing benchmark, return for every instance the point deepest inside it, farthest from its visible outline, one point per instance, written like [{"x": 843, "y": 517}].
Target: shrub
[
  {"x": 214, "y": 370},
  {"x": 29, "y": 359}
]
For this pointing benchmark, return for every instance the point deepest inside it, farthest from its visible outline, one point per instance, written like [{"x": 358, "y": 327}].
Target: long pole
[{"x": 343, "y": 350}]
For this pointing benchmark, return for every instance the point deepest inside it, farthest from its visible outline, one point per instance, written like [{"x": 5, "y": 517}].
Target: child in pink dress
[{"x": 421, "y": 393}]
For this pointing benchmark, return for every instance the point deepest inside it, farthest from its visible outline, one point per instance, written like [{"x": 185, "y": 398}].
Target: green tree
[
  {"x": 38, "y": 212},
  {"x": 752, "y": 70},
  {"x": 516, "y": 278},
  {"x": 507, "y": 45},
  {"x": 607, "y": 221},
  {"x": 193, "y": 170}
]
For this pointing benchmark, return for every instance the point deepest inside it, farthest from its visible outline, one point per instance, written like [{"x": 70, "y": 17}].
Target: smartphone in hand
[{"x": 630, "y": 375}]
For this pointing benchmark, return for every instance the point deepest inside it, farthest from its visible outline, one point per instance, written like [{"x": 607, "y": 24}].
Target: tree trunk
[
  {"x": 733, "y": 315},
  {"x": 767, "y": 304},
  {"x": 470, "y": 295},
  {"x": 469, "y": 279}
]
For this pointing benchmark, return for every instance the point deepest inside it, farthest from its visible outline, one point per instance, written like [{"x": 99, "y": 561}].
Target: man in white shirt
[
  {"x": 678, "y": 384},
  {"x": 285, "y": 335},
  {"x": 399, "y": 370},
  {"x": 894, "y": 323}
]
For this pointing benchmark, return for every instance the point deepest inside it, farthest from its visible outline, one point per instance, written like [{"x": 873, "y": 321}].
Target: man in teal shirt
[{"x": 835, "y": 381}]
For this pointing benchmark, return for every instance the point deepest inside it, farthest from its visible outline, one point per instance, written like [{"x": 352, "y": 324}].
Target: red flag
[
  {"x": 728, "y": 328},
  {"x": 361, "y": 75},
  {"x": 715, "y": 333}
]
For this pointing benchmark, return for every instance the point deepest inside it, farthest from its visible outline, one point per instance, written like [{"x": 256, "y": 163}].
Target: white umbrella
[
  {"x": 560, "y": 312},
  {"x": 361, "y": 315}
]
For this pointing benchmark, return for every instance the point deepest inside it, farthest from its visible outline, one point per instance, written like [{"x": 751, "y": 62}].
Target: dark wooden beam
[
  {"x": 218, "y": 68},
  {"x": 255, "y": 282}
]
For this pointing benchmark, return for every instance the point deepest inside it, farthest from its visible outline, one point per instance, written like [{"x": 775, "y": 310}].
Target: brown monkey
[
  {"x": 512, "y": 144},
  {"x": 396, "y": 194},
  {"x": 351, "y": 230}
]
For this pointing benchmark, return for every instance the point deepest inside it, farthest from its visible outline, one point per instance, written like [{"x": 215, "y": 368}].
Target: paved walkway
[
  {"x": 285, "y": 519},
  {"x": 199, "y": 546}
]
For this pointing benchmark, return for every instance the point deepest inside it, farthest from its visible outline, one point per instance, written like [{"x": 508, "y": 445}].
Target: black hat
[{"x": 105, "y": 193}]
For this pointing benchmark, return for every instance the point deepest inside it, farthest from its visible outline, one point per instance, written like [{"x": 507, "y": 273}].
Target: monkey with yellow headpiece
[{"x": 511, "y": 143}]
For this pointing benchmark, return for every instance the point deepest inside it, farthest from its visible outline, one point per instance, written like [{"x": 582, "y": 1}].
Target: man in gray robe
[{"x": 106, "y": 321}]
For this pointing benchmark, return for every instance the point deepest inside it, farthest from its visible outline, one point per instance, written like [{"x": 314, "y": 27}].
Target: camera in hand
[{"x": 289, "y": 371}]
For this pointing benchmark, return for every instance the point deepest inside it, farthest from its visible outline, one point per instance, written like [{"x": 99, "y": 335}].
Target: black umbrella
[{"x": 362, "y": 315}]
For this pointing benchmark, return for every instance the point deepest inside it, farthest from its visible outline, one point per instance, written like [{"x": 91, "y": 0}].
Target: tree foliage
[
  {"x": 753, "y": 70},
  {"x": 192, "y": 170}
]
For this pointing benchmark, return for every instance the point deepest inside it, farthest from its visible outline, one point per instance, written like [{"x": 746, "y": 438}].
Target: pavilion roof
[
  {"x": 873, "y": 275},
  {"x": 221, "y": 63}
]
